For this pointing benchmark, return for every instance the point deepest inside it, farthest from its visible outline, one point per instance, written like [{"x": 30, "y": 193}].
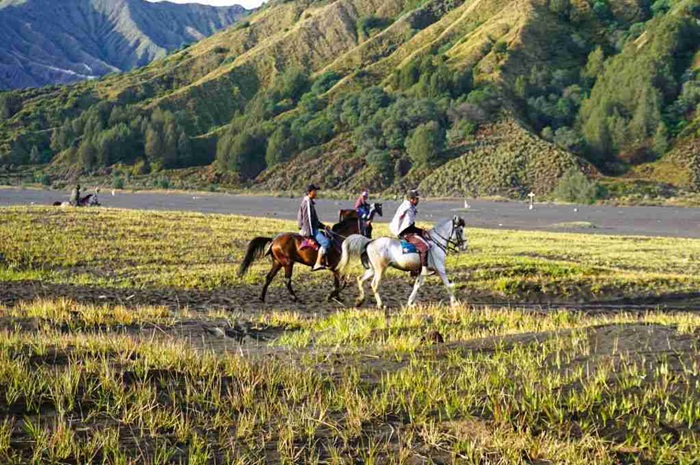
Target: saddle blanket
[
  {"x": 308, "y": 243},
  {"x": 407, "y": 247}
]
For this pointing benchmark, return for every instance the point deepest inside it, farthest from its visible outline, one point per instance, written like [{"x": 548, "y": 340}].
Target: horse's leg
[
  {"x": 336, "y": 286},
  {"x": 378, "y": 275},
  {"x": 361, "y": 284},
  {"x": 448, "y": 285},
  {"x": 414, "y": 293},
  {"x": 288, "y": 270},
  {"x": 276, "y": 266}
]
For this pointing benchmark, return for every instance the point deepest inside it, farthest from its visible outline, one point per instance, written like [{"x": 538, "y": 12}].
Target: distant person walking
[{"x": 75, "y": 196}]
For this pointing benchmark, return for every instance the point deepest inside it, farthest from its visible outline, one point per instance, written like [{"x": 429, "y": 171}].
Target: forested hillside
[{"x": 458, "y": 97}]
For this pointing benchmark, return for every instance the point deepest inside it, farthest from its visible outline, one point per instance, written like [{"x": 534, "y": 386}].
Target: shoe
[{"x": 320, "y": 260}]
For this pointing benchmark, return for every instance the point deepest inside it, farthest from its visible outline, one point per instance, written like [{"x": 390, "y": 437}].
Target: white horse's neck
[{"x": 441, "y": 233}]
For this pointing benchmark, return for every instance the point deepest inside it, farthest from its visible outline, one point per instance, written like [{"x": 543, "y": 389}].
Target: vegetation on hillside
[{"x": 270, "y": 101}]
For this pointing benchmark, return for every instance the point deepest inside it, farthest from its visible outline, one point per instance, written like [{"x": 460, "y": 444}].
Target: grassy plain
[
  {"x": 196, "y": 254},
  {"x": 130, "y": 356}
]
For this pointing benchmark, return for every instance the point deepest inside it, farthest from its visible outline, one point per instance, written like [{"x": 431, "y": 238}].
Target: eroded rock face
[{"x": 47, "y": 42}]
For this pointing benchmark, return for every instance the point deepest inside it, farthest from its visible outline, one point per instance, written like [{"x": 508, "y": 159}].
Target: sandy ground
[{"x": 649, "y": 221}]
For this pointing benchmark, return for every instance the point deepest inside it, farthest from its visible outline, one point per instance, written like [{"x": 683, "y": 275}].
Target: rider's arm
[{"x": 308, "y": 216}]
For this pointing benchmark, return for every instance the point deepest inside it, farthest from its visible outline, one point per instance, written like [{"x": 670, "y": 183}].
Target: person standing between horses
[
  {"x": 75, "y": 196},
  {"x": 310, "y": 225},
  {"x": 403, "y": 225},
  {"x": 362, "y": 208}
]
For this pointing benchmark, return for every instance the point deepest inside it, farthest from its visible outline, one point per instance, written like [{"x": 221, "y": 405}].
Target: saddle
[
  {"x": 407, "y": 247},
  {"x": 308, "y": 243}
]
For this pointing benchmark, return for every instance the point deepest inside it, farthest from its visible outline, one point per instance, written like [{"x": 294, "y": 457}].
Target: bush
[
  {"x": 577, "y": 188},
  {"x": 118, "y": 183}
]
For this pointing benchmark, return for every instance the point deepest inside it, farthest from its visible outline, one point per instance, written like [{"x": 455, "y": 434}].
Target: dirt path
[{"x": 648, "y": 221}]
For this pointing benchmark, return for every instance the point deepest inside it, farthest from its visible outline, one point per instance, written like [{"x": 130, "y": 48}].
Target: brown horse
[
  {"x": 351, "y": 214},
  {"x": 285, "y": 250}
]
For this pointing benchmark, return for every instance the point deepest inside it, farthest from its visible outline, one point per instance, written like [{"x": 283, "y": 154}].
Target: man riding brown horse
[
  {"x": 286, "y": 249},
  {"x": 310, "y": 226}
]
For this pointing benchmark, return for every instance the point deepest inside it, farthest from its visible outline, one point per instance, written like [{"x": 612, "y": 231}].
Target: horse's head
[
  {"x": 375, "y": 208},
  {"x": 457, "y": 236}
]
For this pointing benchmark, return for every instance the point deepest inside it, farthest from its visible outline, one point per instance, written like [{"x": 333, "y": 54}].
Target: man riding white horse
[
  {"x": 311, "y": 227},
  {"x": 404, "y": 227}
]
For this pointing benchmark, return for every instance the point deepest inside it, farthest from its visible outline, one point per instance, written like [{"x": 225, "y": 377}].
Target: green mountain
[
  {"x": 457, "y": 97},
  {"x": 57, "y": 42}
]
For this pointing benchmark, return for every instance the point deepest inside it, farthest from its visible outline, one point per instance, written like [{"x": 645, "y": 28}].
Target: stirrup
[{"x": 425, "y": 271}]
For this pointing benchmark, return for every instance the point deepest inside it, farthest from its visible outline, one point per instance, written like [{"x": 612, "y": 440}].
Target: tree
[
  {"x": 521, "y": 87},
  {"x": 574, "y": 186},
  {"x": 281, "y": 146},
  {"x": 34, "y": 156},
  {"x": 560, "y": 7},
  {"x": 426, "y": 143},
  {"x": 184, "y": 150},
  {"x": 243, "y": 153},
  {"x": 153, "y": 146},
  {"x": 661, "y": 140},
  {"x": 382, "y": 162},
  {"x": 170, "y": 145},
  {"x": 595, "y": 64},
  {"x": 293, "y": 83},
  {"x": 87, "y": 154},
  {"x": 18, "y": 154}
]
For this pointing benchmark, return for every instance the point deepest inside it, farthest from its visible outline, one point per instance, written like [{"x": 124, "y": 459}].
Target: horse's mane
[{"x": 338, "y": 226}]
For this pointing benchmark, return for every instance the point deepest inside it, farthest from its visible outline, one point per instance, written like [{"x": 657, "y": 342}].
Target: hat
[
  {"x": 413, "y": 194},
  {"x": 365, "y": 193},
  {"x": 312, "y": 187}
]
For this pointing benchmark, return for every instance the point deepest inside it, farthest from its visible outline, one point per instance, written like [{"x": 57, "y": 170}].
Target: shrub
[
  {"x": 575, "y": 187},
  {"x": 118, "y": 183}
]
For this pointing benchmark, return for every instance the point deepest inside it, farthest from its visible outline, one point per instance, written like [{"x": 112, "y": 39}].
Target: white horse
[{"x": 379, "y": 254}]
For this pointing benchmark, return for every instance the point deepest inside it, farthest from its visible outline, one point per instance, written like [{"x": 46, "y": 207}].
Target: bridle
[{"x": 450, "y": 244}]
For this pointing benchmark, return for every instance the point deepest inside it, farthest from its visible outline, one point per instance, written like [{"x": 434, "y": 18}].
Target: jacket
[
  {"x": 307, "y": 219},
  {"x": 405, "y": 216},
  {"x": 362, "y": 208}
]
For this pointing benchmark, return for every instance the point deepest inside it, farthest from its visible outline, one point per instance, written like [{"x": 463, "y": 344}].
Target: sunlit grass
[{"x": 512, "y": 385}]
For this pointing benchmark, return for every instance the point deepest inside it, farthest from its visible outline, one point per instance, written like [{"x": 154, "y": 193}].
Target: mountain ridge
[{"x": 63, "y": 42}]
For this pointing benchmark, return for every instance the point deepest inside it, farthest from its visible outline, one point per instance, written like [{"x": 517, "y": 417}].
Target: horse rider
[
  {"x": 403, "y": 225},
  {"x": 75, "y": 196},
  {"x": 362, "y": 208},
  {"x": 310, "y": 225}
]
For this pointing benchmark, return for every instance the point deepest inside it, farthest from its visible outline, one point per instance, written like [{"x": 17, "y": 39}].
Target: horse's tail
[
  {"x": 257, "y": 248},
  {"x": 353, "y": 247}
]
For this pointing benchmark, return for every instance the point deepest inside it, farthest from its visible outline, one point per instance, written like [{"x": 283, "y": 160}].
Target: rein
[{"x": 450, "y": 245}]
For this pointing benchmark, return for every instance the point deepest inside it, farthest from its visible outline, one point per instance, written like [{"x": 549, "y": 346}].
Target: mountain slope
[
  {"x": 57, "y": 42},
  {"x": 459, "y": 97}
]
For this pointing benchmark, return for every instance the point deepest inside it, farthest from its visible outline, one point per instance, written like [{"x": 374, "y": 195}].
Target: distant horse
[
  {"x": 89, "y": 200},
  {"x": 287, "y": 249},
  {"x": 374, "y": 208},
  {"x": 380, "y": 254}
]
